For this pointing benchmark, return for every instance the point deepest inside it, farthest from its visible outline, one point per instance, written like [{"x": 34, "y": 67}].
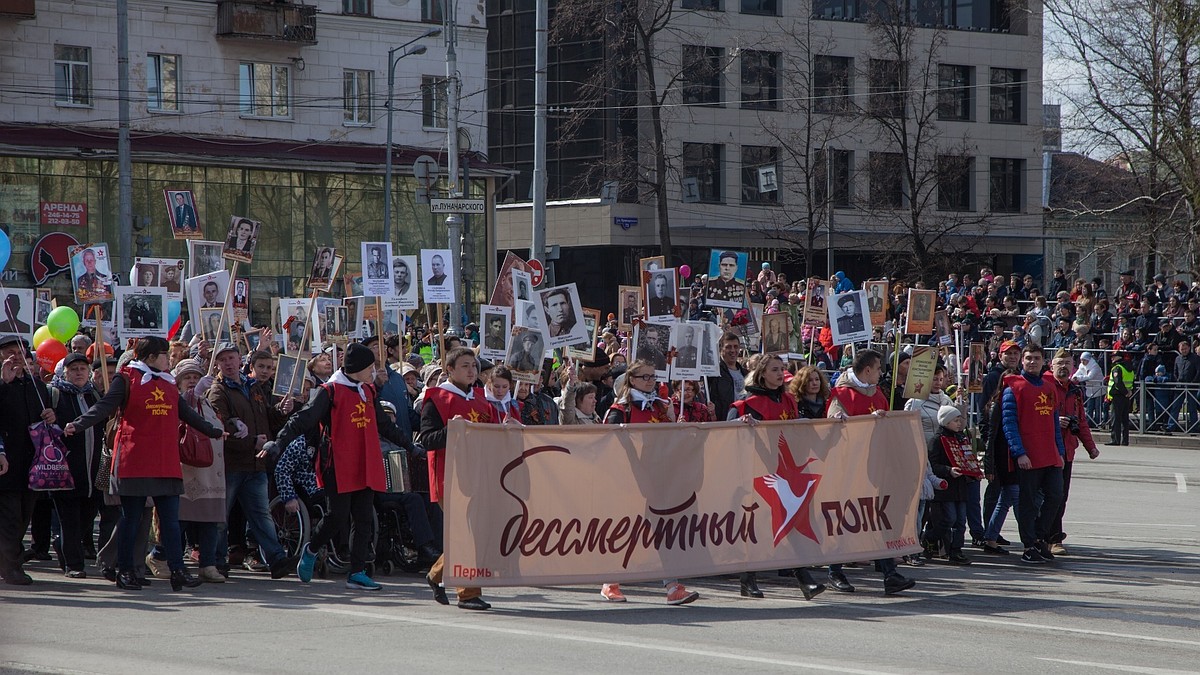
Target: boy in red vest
[
  {"x": 857, "y": 393},
  {"x": 457, "y": 397},
  {"x": 1029, "y": 418},
  {"x": 350, "y": 466}
]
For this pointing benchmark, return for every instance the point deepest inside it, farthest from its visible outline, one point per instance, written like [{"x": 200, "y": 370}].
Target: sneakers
[
  {"x": 1032, "y": 557},
  {"x": 360, "y": 581},
  {"x": 210, "y": 575},
  {"x": 158, "y": 568},
  {"x": 612, "y": 593},
  {"x": 1003, "y": 542},
  {"x": 914, "y": 560},
  {"x": 678, "y": 595},
  {"x": 1058, "y": 549},
  {"x": 308, "y": 560},
  {"x": 255, "y": 564},
  {"x": 474, "y": 603},
  {"x": 895, "y": 583},
  {"x": 282, "y": 567},
  {"x": 1044, "y": 549}
]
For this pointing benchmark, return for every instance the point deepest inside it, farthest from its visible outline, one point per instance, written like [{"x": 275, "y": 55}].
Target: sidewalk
[{"x": 1154, "y": 440}]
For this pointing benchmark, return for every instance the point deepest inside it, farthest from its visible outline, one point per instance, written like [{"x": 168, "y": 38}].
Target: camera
[{"x": 1073, "y": 424}]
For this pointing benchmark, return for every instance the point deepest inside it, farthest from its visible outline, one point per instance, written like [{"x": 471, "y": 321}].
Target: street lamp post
[{"x": 391, "y": 81}]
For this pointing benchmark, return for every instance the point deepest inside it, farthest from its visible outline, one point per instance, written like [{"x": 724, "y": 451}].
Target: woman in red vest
[
  {"x": 456, "y": 397},
  {"x": 768, "y": 400},
  {"x": 146, "y": 458},
  {"x": 350, "y": 466},
  {"x": 638, "y": 403}
]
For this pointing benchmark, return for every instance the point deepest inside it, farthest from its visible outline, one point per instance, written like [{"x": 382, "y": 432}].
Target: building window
[
  {"x": 72, "y": 75},
  {"x": 763, "y": 7},
  {"x": 703, "y": 161},
  {"x": 359, "y": 7},
  {"x": 760, "y": 80},
  {"x": 162, "y": 82},
  {"x": 1008, "y": 96},
  {"x": 760, "y": 174},
  {"x": 887, "y": 180},
  {"x": 1071, "y": 261},
  {"x": 954, "y": 180},
  {"x": 265, "y": 90},
  {"x": 433, "y": 101},
  {"x": 831, "y": 84},
  {"x": 356, "y": 96},
  {"x": 839, "y": 178},
  {"x": 431, "y": 10},
  {"x": 702, "y": 74},
  {"x": 707, "y": 5},
  {"x": 955, "y": 99},
  {"x": 1006, "y": 184},
  {"x": 887, "y": 87}
]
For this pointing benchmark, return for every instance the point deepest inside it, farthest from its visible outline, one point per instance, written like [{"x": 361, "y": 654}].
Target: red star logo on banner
[{"x": 789, "y": 492}]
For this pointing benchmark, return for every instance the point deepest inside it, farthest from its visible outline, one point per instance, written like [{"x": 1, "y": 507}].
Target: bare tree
[{"x": 1139, "y": 62}]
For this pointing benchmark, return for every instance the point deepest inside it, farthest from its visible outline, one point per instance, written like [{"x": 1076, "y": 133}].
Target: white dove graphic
[{"x": 791, "y": 503}]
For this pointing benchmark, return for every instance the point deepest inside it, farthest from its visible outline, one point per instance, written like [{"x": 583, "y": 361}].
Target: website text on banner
[{"x": 564, "y": 505}]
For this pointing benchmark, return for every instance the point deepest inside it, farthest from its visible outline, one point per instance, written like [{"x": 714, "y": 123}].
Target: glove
[
  {"x": 272, "y": 450},
  {"x": 242, "y": 430},
  {"x": 203, "y": 384},
  {"x": 417, "y": 451}
]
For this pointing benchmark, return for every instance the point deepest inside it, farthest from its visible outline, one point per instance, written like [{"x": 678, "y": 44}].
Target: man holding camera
[{"x": 1075, "y": 430}]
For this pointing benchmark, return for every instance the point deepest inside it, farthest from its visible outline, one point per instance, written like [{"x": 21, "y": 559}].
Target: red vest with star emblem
[
  {"x": 763, "y": 408},
  {"x": 148, "y": 437},
  {"x": 354, "y": 441},
  {"x": 634, "y": 414},
  {"x": 449, "y": 404},
  {"x": 1037, "y": 415},
  {"x": 856, "y": 403}
]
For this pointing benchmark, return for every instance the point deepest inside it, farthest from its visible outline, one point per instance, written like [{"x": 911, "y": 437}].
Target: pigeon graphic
[{"x": 789, "y": 492}]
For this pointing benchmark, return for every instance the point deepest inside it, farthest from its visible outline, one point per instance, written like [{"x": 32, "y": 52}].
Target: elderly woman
[
  {"x": 146, "y": 459},
  {"x": 202, "y": 507},
  {"x": 72, "y": 394}
]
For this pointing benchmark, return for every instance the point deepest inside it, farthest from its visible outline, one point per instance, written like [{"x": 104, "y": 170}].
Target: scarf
[
  {"x": 857, "y": 382},
  {"x": 642, "y": 400},
  {"x": 149, "y": 373},
  {"x": 450, "y": 386},
  {"x": 341, "y": 378},
  {"x": 60, "y": 383}
]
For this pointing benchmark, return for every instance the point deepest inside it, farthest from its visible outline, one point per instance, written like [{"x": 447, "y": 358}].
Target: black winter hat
[{"x": 356, "y": 358}]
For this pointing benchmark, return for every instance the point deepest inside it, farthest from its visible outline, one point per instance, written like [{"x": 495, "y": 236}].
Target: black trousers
[
  {"x": 1057, "y": 534},
  {"x": 1035, "y": 524},
  {"x": 72, "y": 509},
  {"x": 16, "y": 510},
  {"x": 346, "y": 507},
  {"x": 41, "y": 523},
  {"x": 1120, "y": 420}
]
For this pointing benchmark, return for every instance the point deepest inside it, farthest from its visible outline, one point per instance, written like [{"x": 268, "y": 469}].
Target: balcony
[
  {"x": 17, "y": 9},
  {"x": 266, "y": 20}
]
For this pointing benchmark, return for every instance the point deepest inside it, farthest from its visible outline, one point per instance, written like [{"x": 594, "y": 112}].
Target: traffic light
[{"x": 467, "y": 258}]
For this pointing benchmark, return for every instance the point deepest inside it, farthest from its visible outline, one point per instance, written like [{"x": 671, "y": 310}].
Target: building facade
[
  {"x": 761, "y": 89},
  {"x": 267, "y": 109}
]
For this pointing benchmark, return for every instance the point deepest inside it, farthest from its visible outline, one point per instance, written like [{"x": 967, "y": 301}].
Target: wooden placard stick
[
  {"x": 99, "y": 310},
  {"x": 312, "y": 302},
  {"x": 212, "y": 364}
]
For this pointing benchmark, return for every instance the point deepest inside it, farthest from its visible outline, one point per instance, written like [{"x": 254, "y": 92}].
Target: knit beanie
[
  {"x": 357, "y": 358},
  {"x": 947, "y": 413}
]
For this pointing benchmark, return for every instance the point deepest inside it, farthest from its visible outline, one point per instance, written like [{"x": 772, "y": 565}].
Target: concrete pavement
[{"x": 1126, "y": 599}]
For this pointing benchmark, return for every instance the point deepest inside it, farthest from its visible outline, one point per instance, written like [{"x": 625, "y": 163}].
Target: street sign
[
  {"x": 426, "y": 171},
  {"x": 476, "y": 206},
  {"x": 536, "y": 271}
]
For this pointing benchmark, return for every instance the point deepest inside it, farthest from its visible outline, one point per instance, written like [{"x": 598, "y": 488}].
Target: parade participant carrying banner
[{"x": 579, "y": 504}]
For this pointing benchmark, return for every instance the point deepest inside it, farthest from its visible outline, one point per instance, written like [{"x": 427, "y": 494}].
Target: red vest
[
  {"x": 634, "y": 414},
  {"x": 855, "y": 403},
  {"x": 148, "y": 438},
  {"x": 1037, "y": 415},
  {"x": 449, "y": 404},
  {"x": 767, "y": 409},
  {"x": 354, "y": 441}
]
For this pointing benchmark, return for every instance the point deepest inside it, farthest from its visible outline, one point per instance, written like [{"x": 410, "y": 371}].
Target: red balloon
[{"x": 49, "y": 353}]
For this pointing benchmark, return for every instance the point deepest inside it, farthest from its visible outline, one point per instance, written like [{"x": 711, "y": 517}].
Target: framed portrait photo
[{"x": 182, "y": 214}]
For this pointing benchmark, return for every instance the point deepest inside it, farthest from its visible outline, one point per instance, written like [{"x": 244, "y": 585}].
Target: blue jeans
[
  {"x": 132, "y": 509},
  {"x": 1094, "y": 407},
  {"x": 954, "y": 525},
  {"x": 249, "y": 488},
  {"x": 1008, "y": 499}
]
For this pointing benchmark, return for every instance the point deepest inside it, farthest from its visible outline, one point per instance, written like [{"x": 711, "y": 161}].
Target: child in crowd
[
  {"x": 499, "y": 392},
  {"x": 948, "y": 452}
]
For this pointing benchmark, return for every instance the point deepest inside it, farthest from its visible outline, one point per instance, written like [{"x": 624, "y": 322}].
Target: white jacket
[
  {"x": 929, "y": 410},
  {"x": 1091, "y": 377}
]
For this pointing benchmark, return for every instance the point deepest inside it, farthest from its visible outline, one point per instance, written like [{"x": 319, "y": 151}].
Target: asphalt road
[{"x": 1126, "y": 599}]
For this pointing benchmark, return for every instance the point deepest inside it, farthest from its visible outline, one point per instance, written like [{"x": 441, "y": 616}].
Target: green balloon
[{"x": 63, "y": 322}]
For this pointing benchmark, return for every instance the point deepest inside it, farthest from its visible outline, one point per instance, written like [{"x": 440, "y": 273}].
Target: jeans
[
  {"x": 1034, "y": 521},
  {"x": 1008, "y": 495},
  {"x": 207, "y": 536},
  {"x": 1094, "y": 408},
  {"x": 974, "y": 512},
  {"x": 132, "y": 511},
  {"x": 954, "y": 525},
  {"x": 249, "y": 489}
]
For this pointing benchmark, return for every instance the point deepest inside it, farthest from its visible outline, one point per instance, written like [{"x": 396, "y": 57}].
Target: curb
[{"x": 1157, "y": 441}]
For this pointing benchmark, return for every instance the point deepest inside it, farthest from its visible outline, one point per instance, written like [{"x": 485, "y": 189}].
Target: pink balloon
[{"x": 685, "y": 271}]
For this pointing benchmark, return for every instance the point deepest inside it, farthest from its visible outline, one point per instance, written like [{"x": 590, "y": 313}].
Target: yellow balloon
[{"x": 41, "y": 335}]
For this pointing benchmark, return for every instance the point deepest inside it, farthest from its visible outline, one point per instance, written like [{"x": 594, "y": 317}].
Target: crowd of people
[{"x": 141, "y": 514}]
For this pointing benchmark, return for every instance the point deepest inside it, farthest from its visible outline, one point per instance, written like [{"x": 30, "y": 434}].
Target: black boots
[
  {"x": 180, "y": 579},
  {"x": 808, "y": 586},
  {"x": 127, "y": 580},
  {"x": 750, "y": 585}
]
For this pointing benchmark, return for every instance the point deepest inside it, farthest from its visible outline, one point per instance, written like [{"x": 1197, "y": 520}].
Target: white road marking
[
  {"x": 607, "y": 642},
  {"x": 1121, "y": 667},
  {"x": 1180, "y": 483},
  {"x": 1084, "y": 522}
]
